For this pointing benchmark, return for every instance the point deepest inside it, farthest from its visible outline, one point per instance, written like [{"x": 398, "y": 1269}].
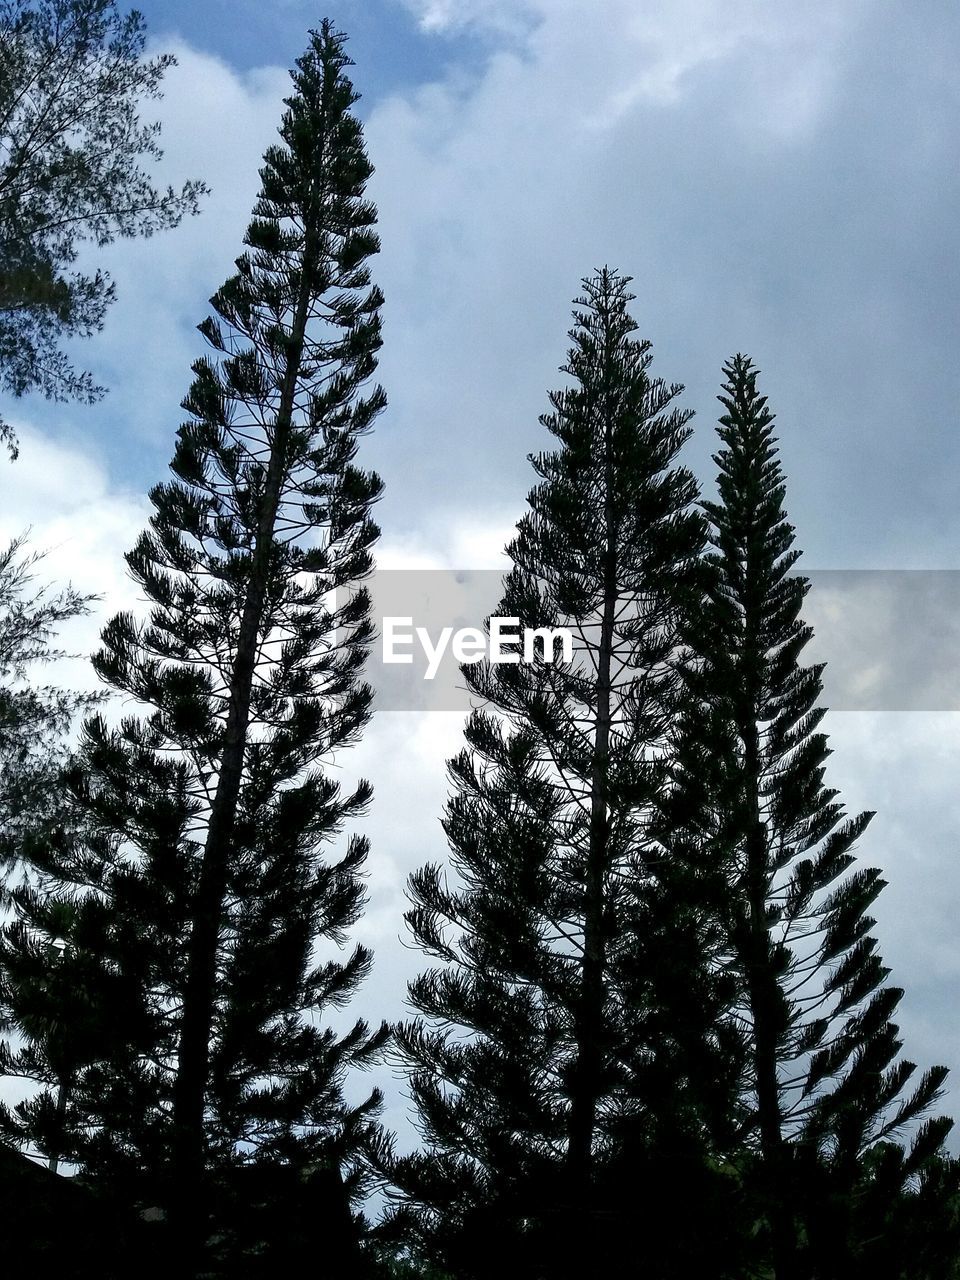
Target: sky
[{"x": 778, "y": 180}]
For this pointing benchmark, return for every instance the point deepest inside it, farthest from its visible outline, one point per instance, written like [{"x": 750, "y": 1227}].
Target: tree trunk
[
  {"x": 589, "y": 1024},
  {"x": 764, "y": 999},
  {"x": 189, "y": 1149}
]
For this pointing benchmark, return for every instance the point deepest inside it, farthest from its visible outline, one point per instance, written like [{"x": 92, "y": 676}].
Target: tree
[
  {"x": 34, "y": 717},
  {"x": 204, "y": 883},
  {"x": 542, "y": 1065},
  {"x": 769, "y": 852},
  {"x": 71, "y": 148},
  {"x": 34, "y": 721}
]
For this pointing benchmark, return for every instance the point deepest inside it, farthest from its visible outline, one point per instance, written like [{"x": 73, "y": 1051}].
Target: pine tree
[
  {"x": 534, "y": 1063},
  {"x": 767, "y": 849},
  {"x": 205, "y": 882}
]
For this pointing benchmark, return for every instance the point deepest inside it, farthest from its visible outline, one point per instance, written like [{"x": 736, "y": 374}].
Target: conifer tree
[
  {"x": 768, "y": 851},
  {"x": 206, "y": 881},
  {"x": 533, "y": 1065}
]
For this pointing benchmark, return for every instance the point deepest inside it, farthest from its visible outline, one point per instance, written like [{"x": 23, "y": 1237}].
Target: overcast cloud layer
[{"x": 778, "y": 180}]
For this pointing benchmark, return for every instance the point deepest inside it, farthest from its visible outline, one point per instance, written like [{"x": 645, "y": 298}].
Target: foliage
[
  {"x": 544, "y": 1068},
  {"x": 72, "y": 80},
  {"x": 34, "y": 717},
  {"x": 201, "y": 884},
  {"x": 768, "y": 857}
]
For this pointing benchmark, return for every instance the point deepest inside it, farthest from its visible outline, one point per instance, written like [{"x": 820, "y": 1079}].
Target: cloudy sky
[{"x": 778, "y": 179}]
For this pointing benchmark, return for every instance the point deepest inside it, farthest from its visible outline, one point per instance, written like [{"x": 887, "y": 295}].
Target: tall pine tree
[
  {"x": 768, "y": 856},
  {"x": 540, "y": 1064},
  {"x": 206, "y": 884}
]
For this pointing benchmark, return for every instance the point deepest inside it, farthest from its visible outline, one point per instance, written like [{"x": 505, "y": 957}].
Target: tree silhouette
[
  {"x": 201, "y": 878},
  {"x": 767, "y": 848},
  {"x": 542, "y": 1068}
]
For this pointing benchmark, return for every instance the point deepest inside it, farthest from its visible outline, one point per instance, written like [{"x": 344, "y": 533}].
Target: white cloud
[
  {"x": 83, "y": 525},
  {"x": 625, "y": 52},
  {"x": 635, "y": 137},
  {"x": 509, "y": 17},
  {"x": 216, "y": 125},
  {"x": 471, "y": 542}
]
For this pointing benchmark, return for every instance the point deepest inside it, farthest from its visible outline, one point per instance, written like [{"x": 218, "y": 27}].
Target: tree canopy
[
  {"x": 72, "y": 151},
  {"x": 34, "y": 715}
]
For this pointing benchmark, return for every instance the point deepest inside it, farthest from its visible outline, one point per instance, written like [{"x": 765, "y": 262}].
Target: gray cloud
[{"x": 777, "y": 182}]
